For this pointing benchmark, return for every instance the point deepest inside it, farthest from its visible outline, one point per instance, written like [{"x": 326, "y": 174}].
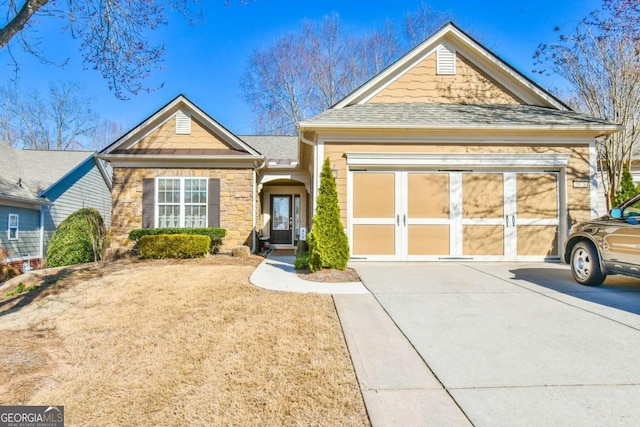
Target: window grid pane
[
  {"x": 12, "y": 229},
  {"x": 193, "y": 206},
  {"x": 195, "y": 201}
]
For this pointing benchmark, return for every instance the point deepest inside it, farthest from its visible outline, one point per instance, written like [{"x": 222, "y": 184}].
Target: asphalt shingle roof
[
  {"x": 25, "y": 173},
  {"x": 274, "y": 147},
  {"x": 453, "y": 116}
]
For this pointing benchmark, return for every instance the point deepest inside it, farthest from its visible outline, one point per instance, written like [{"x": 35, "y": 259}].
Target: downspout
[
  {"x": 253, "y": 204},
  {"x": 42, "y": 207},
  {"x": 314, "y": 180}
]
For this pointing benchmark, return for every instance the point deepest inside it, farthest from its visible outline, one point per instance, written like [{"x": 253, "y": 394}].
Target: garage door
[{"x": 407, "y": 215}]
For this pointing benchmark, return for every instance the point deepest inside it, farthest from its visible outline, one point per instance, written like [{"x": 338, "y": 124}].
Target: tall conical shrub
[
  {"x": 328, "y": 244},
  {"x": 627, "y": 188}
]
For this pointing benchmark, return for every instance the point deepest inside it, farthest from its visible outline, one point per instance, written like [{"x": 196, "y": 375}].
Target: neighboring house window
[
  {"x": 182, "y": 202},
  {"x": 12, "y": 230}
]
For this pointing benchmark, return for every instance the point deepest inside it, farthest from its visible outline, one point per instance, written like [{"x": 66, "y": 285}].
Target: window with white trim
[
  {"x": 182, "y": 202},
  {"x": 12, "y": 228}
]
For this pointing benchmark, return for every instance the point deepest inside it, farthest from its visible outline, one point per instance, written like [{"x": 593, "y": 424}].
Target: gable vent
[
  {"x": 446, "y": 60},
  {"x": 183, "y": 123}
]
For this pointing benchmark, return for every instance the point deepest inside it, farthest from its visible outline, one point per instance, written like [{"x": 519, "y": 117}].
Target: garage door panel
[
  {"x": 483, "y": 195},
  {"x": 428, "y": 195},
  {"x": 430, "y": 215},
  {"x": 428, "y": 240},
  {"x": 537, "y": 195},
  {"x": 374, "y": 195},
  {"x": 376, "y": 239},
  {"x": 540, "y": 240},
  {"x": 483, "y": 240}
]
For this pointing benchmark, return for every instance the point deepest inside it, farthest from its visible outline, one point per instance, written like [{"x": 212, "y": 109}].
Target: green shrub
[
  {"x": 302, "y": 260},
  {"x": 174, "y": 246},
  {"x": 627, "y": 188},
  {"x": 80, "y": 238},
  {"x": 328, "y": 244},
  {"x": 215, "y": 234}
]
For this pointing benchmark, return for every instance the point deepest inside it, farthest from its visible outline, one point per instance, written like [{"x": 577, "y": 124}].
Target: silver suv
[{"x": 606, "y": 245}]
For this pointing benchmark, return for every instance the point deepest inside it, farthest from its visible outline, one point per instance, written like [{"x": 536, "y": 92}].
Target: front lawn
[{"x": 176, "y": 343}]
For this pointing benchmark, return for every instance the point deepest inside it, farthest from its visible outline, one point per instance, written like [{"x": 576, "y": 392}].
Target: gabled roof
[
  {"x": 26, "y": 174},
  {"x": 450, "y": 34},
  {"x": 126, "y": 143},
  {"x": 458, "y": 116}
]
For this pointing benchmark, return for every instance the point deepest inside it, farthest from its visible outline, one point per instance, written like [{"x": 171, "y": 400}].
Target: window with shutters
[
  {"x": 183, "y": 123},
  {"x": 446, "y": 60},
  {"x": 182, "y": 202}
]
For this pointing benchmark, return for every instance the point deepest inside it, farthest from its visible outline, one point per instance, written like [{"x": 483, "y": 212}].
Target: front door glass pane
[{"x": 280, "y": 213}]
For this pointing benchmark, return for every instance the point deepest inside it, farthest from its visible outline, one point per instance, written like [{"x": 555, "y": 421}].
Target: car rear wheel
[{"x": 585, "y": 265}]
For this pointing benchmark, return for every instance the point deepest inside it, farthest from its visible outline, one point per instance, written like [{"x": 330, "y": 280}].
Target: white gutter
[
  {"x": 410, "y": 126},
  {"x": 177, "y": 157},
  {"x": 305, "y": 140}
]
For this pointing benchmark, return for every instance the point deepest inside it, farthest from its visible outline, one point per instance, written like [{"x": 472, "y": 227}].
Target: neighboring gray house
[{"x": 39, "y": 189}]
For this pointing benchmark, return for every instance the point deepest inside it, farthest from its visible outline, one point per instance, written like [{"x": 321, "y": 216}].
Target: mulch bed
[{"x": 328, "y": 275}]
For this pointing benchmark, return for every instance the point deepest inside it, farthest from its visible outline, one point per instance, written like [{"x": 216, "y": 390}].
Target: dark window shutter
[
  {"x": 148, "y": 202},
  {"x": 214, "y": 203}
]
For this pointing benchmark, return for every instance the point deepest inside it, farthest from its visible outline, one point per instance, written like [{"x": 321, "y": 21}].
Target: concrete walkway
[
  {"x": 398, "y": 387},
  {"x": 277, "y": 273}
]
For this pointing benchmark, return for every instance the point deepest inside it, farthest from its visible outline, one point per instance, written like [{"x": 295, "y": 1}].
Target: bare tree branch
[
  {"x": 600, "y": 59},
  {"x": 113, "y": 35},
  {"x": 19, "y": 20},
  {"x": 63, "y": 120},
  {"x": 306, "y": 72}
]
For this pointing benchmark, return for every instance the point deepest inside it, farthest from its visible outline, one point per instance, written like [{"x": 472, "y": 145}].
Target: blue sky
[{"x": 205, "y": 62}]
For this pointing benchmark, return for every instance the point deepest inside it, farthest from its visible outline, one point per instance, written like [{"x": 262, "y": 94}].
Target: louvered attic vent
[
  {"x": 446, "y": 60},
  {"x": 183, "y": 123}
]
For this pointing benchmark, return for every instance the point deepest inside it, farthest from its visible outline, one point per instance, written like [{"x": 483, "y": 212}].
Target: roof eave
[
  {"x": 22, "y": 200},
  {"x": 605, "y": 129},
  {"x": 184, "y": 161}
]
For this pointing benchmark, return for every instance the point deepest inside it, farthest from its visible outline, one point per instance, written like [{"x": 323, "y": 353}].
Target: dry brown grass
[{"x": 187, "y": 343}]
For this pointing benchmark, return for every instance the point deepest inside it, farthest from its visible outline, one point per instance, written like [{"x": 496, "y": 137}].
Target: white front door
[{"x": 448, "y": 215}]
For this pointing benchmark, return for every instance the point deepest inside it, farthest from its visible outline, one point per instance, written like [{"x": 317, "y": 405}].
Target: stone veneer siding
[{"x": 236, "y": 193}]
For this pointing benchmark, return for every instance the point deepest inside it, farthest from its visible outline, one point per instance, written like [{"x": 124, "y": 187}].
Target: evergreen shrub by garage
[
  {"x": 174, "y": 246},
  {"x": 328, "y": 244},
  {"x": 72, "y": 241},
  {"x": 215, "y": 234}
]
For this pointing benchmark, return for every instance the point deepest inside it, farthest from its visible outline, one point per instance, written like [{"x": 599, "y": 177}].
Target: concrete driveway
[{"x": 512, "y": 343}]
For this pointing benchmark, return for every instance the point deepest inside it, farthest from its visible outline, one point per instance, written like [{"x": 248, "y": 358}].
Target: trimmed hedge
[
  {"x": 72, "y": 242},
  {"x": 215, "y": 234},
  {"x": 174, "y": 246}
]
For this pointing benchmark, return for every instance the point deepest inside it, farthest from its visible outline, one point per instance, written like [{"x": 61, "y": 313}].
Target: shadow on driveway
[{"x": 618, "y": 292}]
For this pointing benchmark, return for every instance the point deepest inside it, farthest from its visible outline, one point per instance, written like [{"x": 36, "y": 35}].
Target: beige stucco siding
[
  {"x": 578, "y": 199},
  {"x": 422, "y": 84},
  {"x": 236, "y": 196},
  {"x": 165, "y": 137}
]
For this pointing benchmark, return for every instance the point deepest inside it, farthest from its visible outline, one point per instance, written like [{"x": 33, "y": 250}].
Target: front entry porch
[{"x": 283, "y": 217}]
